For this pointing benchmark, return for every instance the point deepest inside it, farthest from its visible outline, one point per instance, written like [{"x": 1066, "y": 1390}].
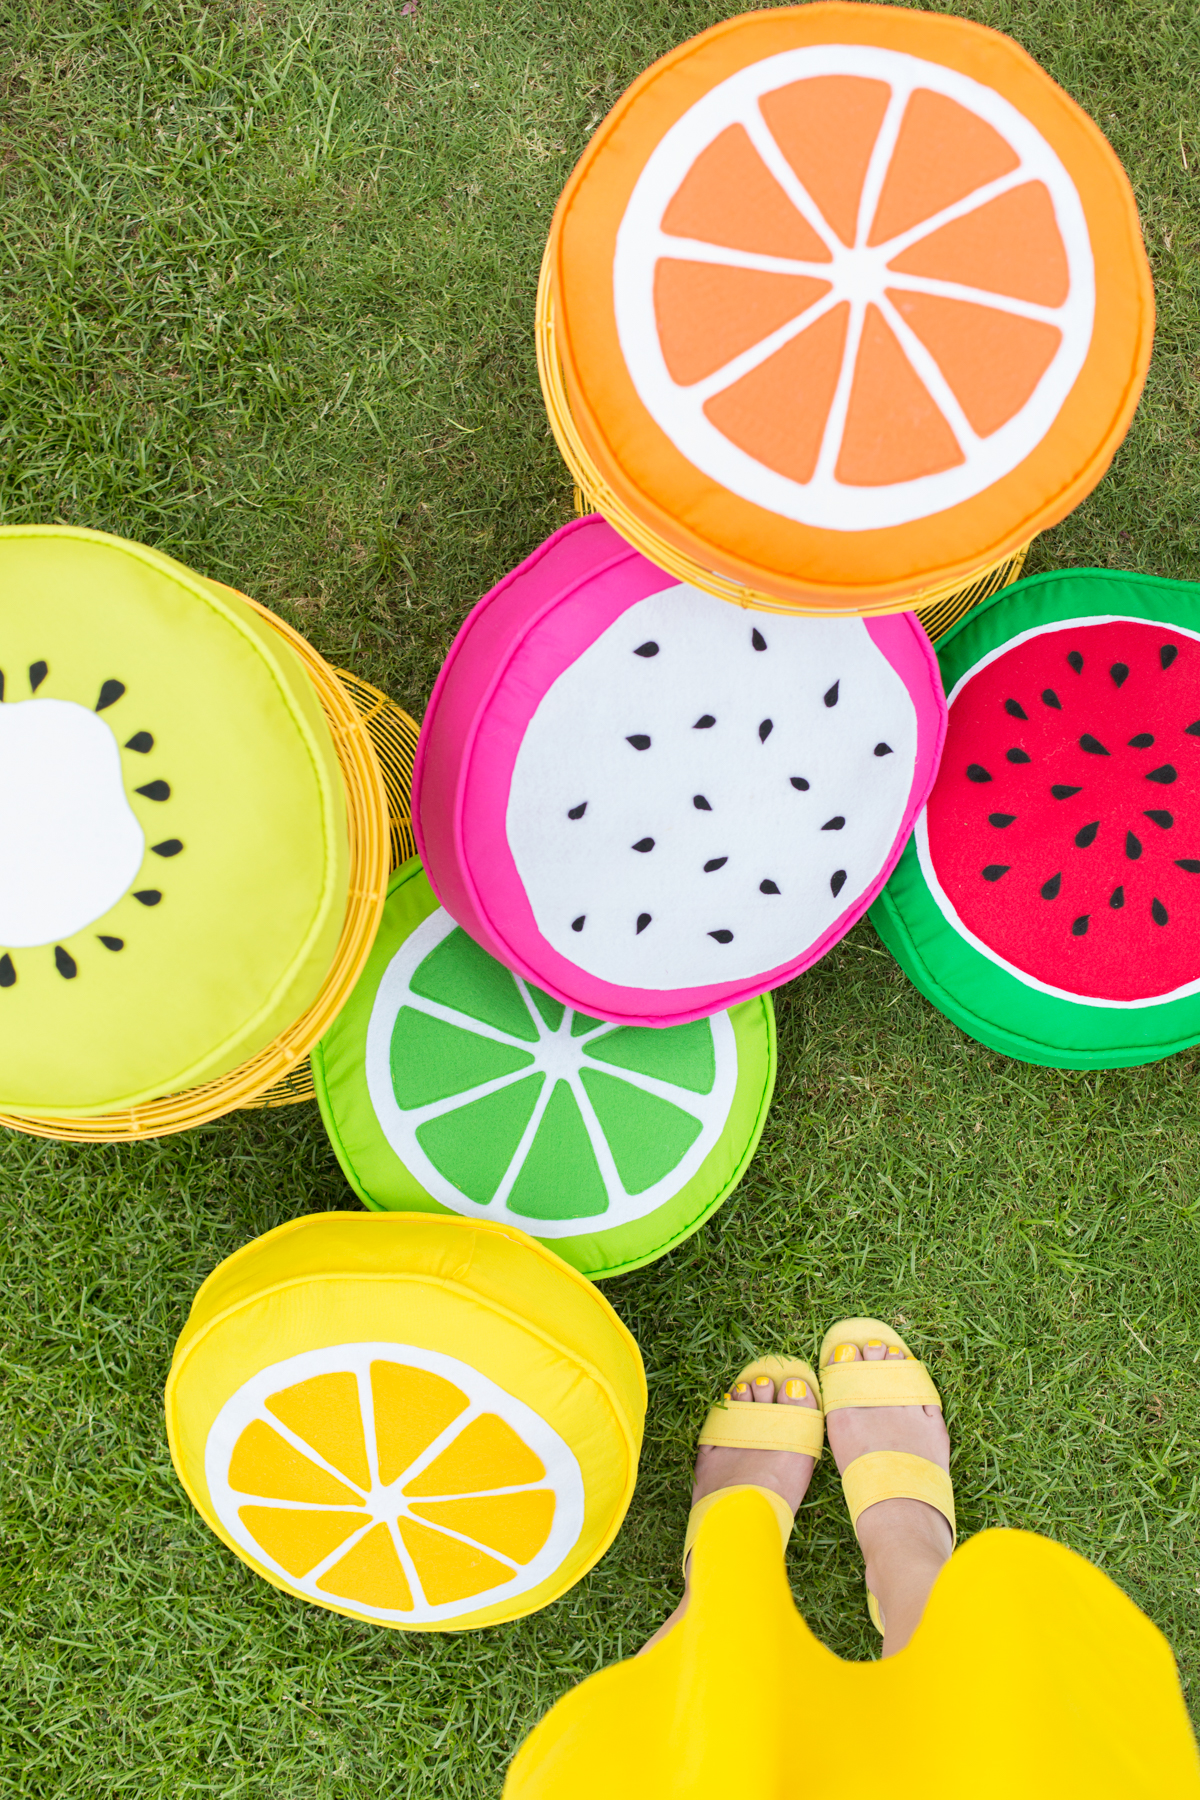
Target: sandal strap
[
  {"x": 906, "y": 1383},
  {"x": 779, "y": 1506},
  {"x": 747, "y": 1425},
  {"x": 896, "y": 1475}
]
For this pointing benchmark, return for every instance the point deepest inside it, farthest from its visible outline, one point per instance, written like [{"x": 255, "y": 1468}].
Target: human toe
[
  {"x": 740, "y": 1391},
  {"x": 764, "y": 1389},
  {"x": 843, "y": 1353},
  {"x": 796, "y": 1392}
]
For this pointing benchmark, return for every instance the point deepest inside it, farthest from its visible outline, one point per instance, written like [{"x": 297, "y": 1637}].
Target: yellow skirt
[{"x": 1030, "y": 1675}]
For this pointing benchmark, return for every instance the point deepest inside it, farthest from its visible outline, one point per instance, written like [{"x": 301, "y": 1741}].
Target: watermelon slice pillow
[
  {"x": 654, "y": 804},
  {"x": 1049, "y": 901},
  {"x": 449, "y": 1085}
]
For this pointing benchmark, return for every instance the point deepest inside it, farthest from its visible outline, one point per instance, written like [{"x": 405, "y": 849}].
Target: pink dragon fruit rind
[{"x": 514, "y": 646}]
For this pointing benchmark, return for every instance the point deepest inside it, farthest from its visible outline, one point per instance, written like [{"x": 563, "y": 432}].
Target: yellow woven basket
[
  {"x": 938, "y": 608},
  {"x": 375, "y": 743}
]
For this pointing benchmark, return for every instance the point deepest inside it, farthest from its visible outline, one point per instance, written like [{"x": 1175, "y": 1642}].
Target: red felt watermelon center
[{"x": 1064, "y": 826}]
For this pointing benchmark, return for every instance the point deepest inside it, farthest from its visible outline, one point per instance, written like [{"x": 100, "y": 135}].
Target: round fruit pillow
[
  {"x": 843, "y": 304},
  {"x": 653, "y": 804},
  {"x": 1049, "y": 902},
  {"x": 448, "y": 1083},
  {"x": 432, "y": 1424},
  {"x": 175, "y": 864}
]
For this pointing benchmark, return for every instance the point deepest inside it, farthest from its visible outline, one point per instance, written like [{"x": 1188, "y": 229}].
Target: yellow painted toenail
[
  {"x": 845, "y": 1353},
  {"x": 896, "y": 1353},
  {"x": 743, "y": 1387},
  {"x": 874, "y": 1344},
  {"x": 762, "y": 1381},
  {"x": 796, "y": 1390}
]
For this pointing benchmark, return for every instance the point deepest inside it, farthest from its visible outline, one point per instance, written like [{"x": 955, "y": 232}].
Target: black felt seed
[
  {"x": 577, "y": 924},
  {"x": 767, "y": 887},
  {"x": 112, "y": 943},
  {"x": 1167, "y": 654},
  {"x": 799, "y": 783},
  {"x": 649, "y": 648},
  {"x": 1050, "y": 888},
  {"x": 66, "y": 965},
  {"x": 141, "y": 741},
  {"x": 110, "y": 693},
  {"x": 577, "y": 812},
  {"x": 168, "y": 847},
  {"x": 835, "y": 824},
  {"x": 1076, "y": 661},
  {"x": 831, "y": 695},
  {"x": 715, "y": 862},
  {"x": 1117, "y": 899},
  {"x": 8, "y": 974},
  {"x": 700, "y": 803},
  {"x": 1087, "y": 835},
  {"x": 1092, "y": 745},
  {"x": 1158, "y": 912},
  {"x": 38, "y": 672},
  {"x": 1017, "y": 755},
  {"x": 704, "y": 722},
  {"x": 1050, "y": 698},
  {"x": 1189, "y": 864},
  {"x": 1142, "y": 741},
  {"x": 155, "y": 790},
  {"x": 1015, "y": 710},
  {"x": 882, "y": 749},
  {"x": 994, "y": 871},
  {"x": 643, "y": 921},
  {"x": 1119, "y": 673},
  {"x": 1164, "y": 775},
  {"x": 757, "y": 639},
  {"x": 1, "y": 684},
  {"x": 1079, "y": 926},
  {"x": 1133, "y": 848},
  {"x": 1192, "y": 730},
  {"x": 1164, "y": 819},
  {"x": 977, "y": 772},
  {"x": 722, "y": 936},
  {"x": 1064, "y": 793},
  {"x": 1001, "y": 819},
  {"x": 147, "y": 896},
  {"x": 837, "y": 882},
  {"x": 765, "y": 730},
  {"x": 644, "y": 844},
  {"x": 639, "y": 740}
]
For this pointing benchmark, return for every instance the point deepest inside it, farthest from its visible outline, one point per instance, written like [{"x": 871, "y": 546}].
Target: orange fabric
[{"x": 1031, "y": 1677}]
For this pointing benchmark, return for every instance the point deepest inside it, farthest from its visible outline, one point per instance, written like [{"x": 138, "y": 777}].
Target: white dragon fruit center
[{"x": 706, "y": 790}]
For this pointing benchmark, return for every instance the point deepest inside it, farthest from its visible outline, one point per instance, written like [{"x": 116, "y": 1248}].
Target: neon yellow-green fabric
[
  {"x": 176, "y": 865},
  {"x": 1031, "y": 1677}
]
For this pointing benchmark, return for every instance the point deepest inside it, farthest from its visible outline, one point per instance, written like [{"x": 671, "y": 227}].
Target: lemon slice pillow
[
  {"x": 175, "y": 863},
  {"x": 430, "y": 1424},
  {"x": 448, "y": 1083}
]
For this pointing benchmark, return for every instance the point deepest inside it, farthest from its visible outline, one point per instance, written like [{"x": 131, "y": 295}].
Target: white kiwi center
[{"x": 70, "y": 845}]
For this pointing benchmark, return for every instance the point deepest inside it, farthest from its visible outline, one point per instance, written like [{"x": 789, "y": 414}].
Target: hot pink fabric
[{"x": 512, "y": 647}]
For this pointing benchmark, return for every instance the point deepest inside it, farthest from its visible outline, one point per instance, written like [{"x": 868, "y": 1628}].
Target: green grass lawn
[{"x": 266, "y": 297}]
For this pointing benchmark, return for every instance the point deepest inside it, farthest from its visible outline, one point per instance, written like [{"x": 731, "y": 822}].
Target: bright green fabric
[
  {"x": 473, "y": 1144},
  {"x": 252, "y": 904}
]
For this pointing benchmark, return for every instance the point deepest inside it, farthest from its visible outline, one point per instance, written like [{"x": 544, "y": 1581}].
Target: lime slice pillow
[
  {"x": 449, "y": 1084},
  {"x": 175, "y": 865},
  {"x": 1049, "y": 901},
  {"x": 427, "y": 1424}
]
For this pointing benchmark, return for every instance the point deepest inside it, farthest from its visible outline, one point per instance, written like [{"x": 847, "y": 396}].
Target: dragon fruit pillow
[{"x": 654, "y": 804}]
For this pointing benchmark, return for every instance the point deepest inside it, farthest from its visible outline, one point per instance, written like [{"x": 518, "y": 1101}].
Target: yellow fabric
[
  {"x": 895, "y": 1475},
  {"x": 748, "y": 1425},
  {"x": 1031, "y": 1677},
  {"x": 784, "y": 1517}
]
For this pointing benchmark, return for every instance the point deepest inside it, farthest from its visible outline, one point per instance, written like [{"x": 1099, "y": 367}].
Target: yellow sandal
[
  {"x": 747, "y": 1425},
  {"x": 883, "y": 1474}
]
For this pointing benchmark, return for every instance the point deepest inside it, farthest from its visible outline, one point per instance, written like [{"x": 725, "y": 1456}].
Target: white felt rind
[{"x": 577, "y": 750}]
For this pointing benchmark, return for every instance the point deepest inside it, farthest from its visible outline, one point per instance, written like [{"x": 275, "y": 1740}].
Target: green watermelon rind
[
  {"x": 384, "y": 1184},
  {"x": 994, "y": 1007}
]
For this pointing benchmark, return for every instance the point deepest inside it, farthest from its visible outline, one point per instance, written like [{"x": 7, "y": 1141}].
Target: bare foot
[
  {"x": 787, "y": 1472},
  {"x": 905, "y": 1542}
]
